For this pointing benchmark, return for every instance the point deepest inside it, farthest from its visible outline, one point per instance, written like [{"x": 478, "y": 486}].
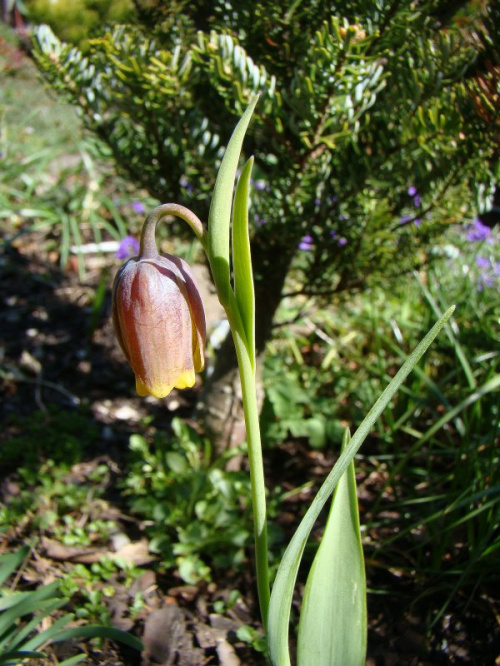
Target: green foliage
[
  {"x": 22, "y": 615},
  {"x": 199, "y": 512},
  {"x": 435, "y": 447},
  {"x": 46, "y": 453},
  {"x": 355, "y": 109},
  {"x": 252, "y": 637},
  {"x": 57, "y": 435},
  {"x": 74, "y": 21},
  {"x": 90, "y": 588},
  {"x": 53, "y": 180},
  {"x": 47, "y": 502}
]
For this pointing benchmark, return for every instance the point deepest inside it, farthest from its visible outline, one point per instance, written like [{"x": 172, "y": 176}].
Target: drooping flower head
[{"x": 159, "y": 320}]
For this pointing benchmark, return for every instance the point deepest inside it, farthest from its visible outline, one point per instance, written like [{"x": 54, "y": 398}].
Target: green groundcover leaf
[{"x": 332, "y": 628}]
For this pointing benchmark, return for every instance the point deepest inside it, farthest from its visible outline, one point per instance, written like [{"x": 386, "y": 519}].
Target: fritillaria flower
[{"x": 159, "y": 321}]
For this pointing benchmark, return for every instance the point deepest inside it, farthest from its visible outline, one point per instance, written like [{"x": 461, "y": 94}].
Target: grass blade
[
  {"x": 10, "y": 562},
  {"x": 98, "y": 631},
  {"x": 36, "y": 601},
  {"x": 13, "y": 658},
  {"x": 77, "y": 659}
]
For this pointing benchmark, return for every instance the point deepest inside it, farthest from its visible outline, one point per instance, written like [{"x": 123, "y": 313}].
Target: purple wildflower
[
  {"x": 129, "y": 247},
  {"x": 484, "y": 281},
  {"x": 138, "y": 207},
  {"x": 404, "y": 219},
  {"x": 477, "y": 231},
  {"x": 306, "y": 243},
  {"x": 496, "y": 269},
  {"x": 417, "y": 200},
  {"x": 482, "y": 262},
  {"x": 417, "y": 222},
  {"x": 412, "y": 191},
  {"x": 260, "y": 185},
  {"x": 342, "y": 241}
]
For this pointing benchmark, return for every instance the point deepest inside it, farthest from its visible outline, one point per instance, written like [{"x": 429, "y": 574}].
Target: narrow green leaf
[
  {"x": 282, "y": 593},
  {"x": 12, "y": 599},
  {"x": 491, "y": 385},
  {"x": 98, "y": 631},
  {"x": 242, "y": 260},
  {"x": 13, "y": 658},
  {"x": 44, "y": 636},
  {"x": 77, "y": 659},
  {"x": 332, "y": 628},
  {"x": 10, "y": 562},
  {"x": 35, "y": 602},
  {"x": 219, "y": 218}
]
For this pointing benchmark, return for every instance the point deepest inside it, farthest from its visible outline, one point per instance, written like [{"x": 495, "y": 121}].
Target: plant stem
[
  {"x": 148, "y": 239},
  {"x": 257, "y": 482}
]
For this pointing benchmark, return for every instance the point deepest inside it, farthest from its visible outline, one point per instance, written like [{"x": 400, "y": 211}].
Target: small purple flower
[
  {"x": 484, "y": 281},
  {"x": 259, "y": 221},
  {"x": 482, "y": 262},
  {"x": 412, "y": 191},
  {"x": 496, "y": 269},
  {"x": 417, "y": 222},
  {"x": 477, "y": 231},
  {"x": 317, "y": 202},
  {"x": 129, "y": 247},
  {"x": 404, "y": 219},
  {"x": 417, "y": 200},
  {"x": 138, "y": 207},
  {"x": 342, "y": 241},
  {"x": 306, "y": 243}
]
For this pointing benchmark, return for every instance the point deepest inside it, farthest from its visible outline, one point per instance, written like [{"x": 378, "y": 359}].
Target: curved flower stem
[
  {"x": 148, "y": 247},
  {"x": 257, "y": 482}
]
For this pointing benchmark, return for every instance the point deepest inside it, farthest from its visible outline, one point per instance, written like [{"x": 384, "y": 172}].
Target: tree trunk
[{"x": 220, "y": 409}]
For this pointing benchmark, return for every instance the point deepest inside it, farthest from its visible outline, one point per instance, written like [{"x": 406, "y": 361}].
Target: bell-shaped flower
[{"x": 160, "y": 322}]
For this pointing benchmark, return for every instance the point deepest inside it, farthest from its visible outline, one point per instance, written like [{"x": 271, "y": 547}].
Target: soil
[{"x": 58, "y": 349}]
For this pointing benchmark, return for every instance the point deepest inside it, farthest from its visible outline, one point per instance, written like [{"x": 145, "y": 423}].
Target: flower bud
[{"x": 160, "y": 322}]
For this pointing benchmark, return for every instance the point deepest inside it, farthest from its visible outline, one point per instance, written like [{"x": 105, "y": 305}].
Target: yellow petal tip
[
  {"x": 156, "y": 391},
  {"x": 186, "y": 379}
]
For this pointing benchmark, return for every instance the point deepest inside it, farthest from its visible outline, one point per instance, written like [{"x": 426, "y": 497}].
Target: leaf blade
[
  {"x": 333, "y": 619},
  {"x": 242, "y": 260},
  {"x": 219, "y": 217}
]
